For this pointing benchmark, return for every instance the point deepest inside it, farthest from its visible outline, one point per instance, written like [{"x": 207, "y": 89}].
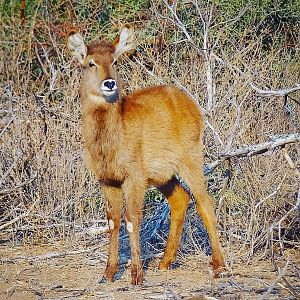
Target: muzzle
[{"x": 109, "y": 89}]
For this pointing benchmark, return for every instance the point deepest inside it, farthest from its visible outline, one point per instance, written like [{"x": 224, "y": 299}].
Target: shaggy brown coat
[{"x": 142, "y": 139}]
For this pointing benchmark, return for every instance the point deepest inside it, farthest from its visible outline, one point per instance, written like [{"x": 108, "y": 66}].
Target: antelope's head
[{"x": 100, "y": 82}]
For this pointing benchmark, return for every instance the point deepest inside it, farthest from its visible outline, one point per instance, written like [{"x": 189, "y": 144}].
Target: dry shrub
[{"x": 47, "y": 191}]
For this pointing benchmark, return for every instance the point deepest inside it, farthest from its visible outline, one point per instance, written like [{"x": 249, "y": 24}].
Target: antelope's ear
[
  {"x": 124, "y": 42},
  {"x": 77, "y": 46}
]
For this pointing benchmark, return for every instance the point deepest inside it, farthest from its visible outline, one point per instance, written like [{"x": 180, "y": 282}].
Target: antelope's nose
[{"x": 109, "y": 84}]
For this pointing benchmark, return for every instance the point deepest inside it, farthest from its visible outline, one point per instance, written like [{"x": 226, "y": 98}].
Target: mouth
[{"x": 110, "y": 96}]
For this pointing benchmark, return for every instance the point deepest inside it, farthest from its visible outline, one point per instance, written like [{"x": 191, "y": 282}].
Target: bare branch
[
  {"x": 9, "y": 191},
  {"x": 290, "y": 162},
  {"x": 281, "y": 274},
  {"x": 233, "y": 20},
  {"x": 206, "y": 51},
  {"x": 7, "y": 125},
  {"x": 236, "y": 124},
  {"x": 277, "y": 93},
  {"x": 24, "y": 215},
  {"x": 52, "y": 255},
  {"x": 298, "y": 201},
  {"x": 270, "y": 195},
  {"x": 209, "y": 61},
  {"x": 214, "y": 132},
  {"x": 263, "y": 147},
  {"x": 161, "y": 81},
  {"x": 210, "y": 167},
  {"x": 13, "y": 165},
  {"x": 177, "y": 21},
  {"x": 256, "y": 149}
]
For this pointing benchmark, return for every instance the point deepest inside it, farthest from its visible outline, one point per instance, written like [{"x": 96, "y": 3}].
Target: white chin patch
[{"x": 108, "y": 92}]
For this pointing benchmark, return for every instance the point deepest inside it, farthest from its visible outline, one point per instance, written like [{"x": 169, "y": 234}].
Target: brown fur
[{"x": 143, "y": 139}]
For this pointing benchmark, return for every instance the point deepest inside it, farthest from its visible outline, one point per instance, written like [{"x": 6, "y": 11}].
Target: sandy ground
[{"x": 72, "y": 271}]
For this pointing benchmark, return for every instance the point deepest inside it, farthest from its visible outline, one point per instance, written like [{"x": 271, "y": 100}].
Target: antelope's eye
[
  {"x": 91, "y": 64},
  {"x": 115, "y": 62}
]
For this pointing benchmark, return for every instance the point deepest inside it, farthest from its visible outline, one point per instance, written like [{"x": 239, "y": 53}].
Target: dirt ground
[{"x": 72, "y": 271}]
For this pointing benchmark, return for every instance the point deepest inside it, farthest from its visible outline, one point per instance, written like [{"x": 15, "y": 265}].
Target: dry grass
[
  {"x": 50, "y": 196},
  {"x": 28, "y": 276}
]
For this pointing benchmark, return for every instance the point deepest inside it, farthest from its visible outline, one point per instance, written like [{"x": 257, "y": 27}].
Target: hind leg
[
  {"x": 194, "y": 177},
  {"x": 178, "y": 200}
]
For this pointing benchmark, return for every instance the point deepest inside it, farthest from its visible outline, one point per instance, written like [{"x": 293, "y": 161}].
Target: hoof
[
  {"x": 218, "y": 272},
  {"x": 110, "y": 272},
  {"x": 103, "y": 280},
  {"x": 164, "y": 264},
  {"x": 218, "y": 267},
  {"x": 136, "y": 276}
]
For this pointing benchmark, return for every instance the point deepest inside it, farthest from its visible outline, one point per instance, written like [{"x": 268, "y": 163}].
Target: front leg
[
  {"x": 113, "y": 198},
  {"x": 134, "y": 192}
]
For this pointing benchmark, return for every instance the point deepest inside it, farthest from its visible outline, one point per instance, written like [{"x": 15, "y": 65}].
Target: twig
[
  {"x": 24, "y": 215},
  {"x": 53, "y": 72},
  {"x": 290, "y": 162},
  {"x": 205, "y": 50},
  {"x": 9, "y": 191},
  {"x": 277, "y": 93},
  {"x": 256, "y": 149},
  {"x": 208, "y": 58},
  {"x": 11, "y": 211},
  {"x": 178, "y": 22},
  {"x": 280, "y": 222},
  {"x": 236, "y": 124},
  {"x": 293, "y": 243},
  {"x": 78, "y": 228},
  {"x": 16, "y": 160},
  {"x": 215, "y": 133},
  {"x": 270, "y": 195},
  {"x": 50, "y": 255},
  {"x": 174, "y": 294},
  {"x": 149, "y": 72},
  {"x": 293, "y": 99},
  {"x": 263, "y": 147},
  {"x": 298, "y": 201},
  {"x": 289, "y": 287},
  {"x": 7, "y": 125},
  {"x": 278, "y": 278}
]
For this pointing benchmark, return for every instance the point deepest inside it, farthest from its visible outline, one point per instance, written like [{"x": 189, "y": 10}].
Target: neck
[
  {"x": 103, "y": 138},
  {"x": 103, "y": 121}
]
